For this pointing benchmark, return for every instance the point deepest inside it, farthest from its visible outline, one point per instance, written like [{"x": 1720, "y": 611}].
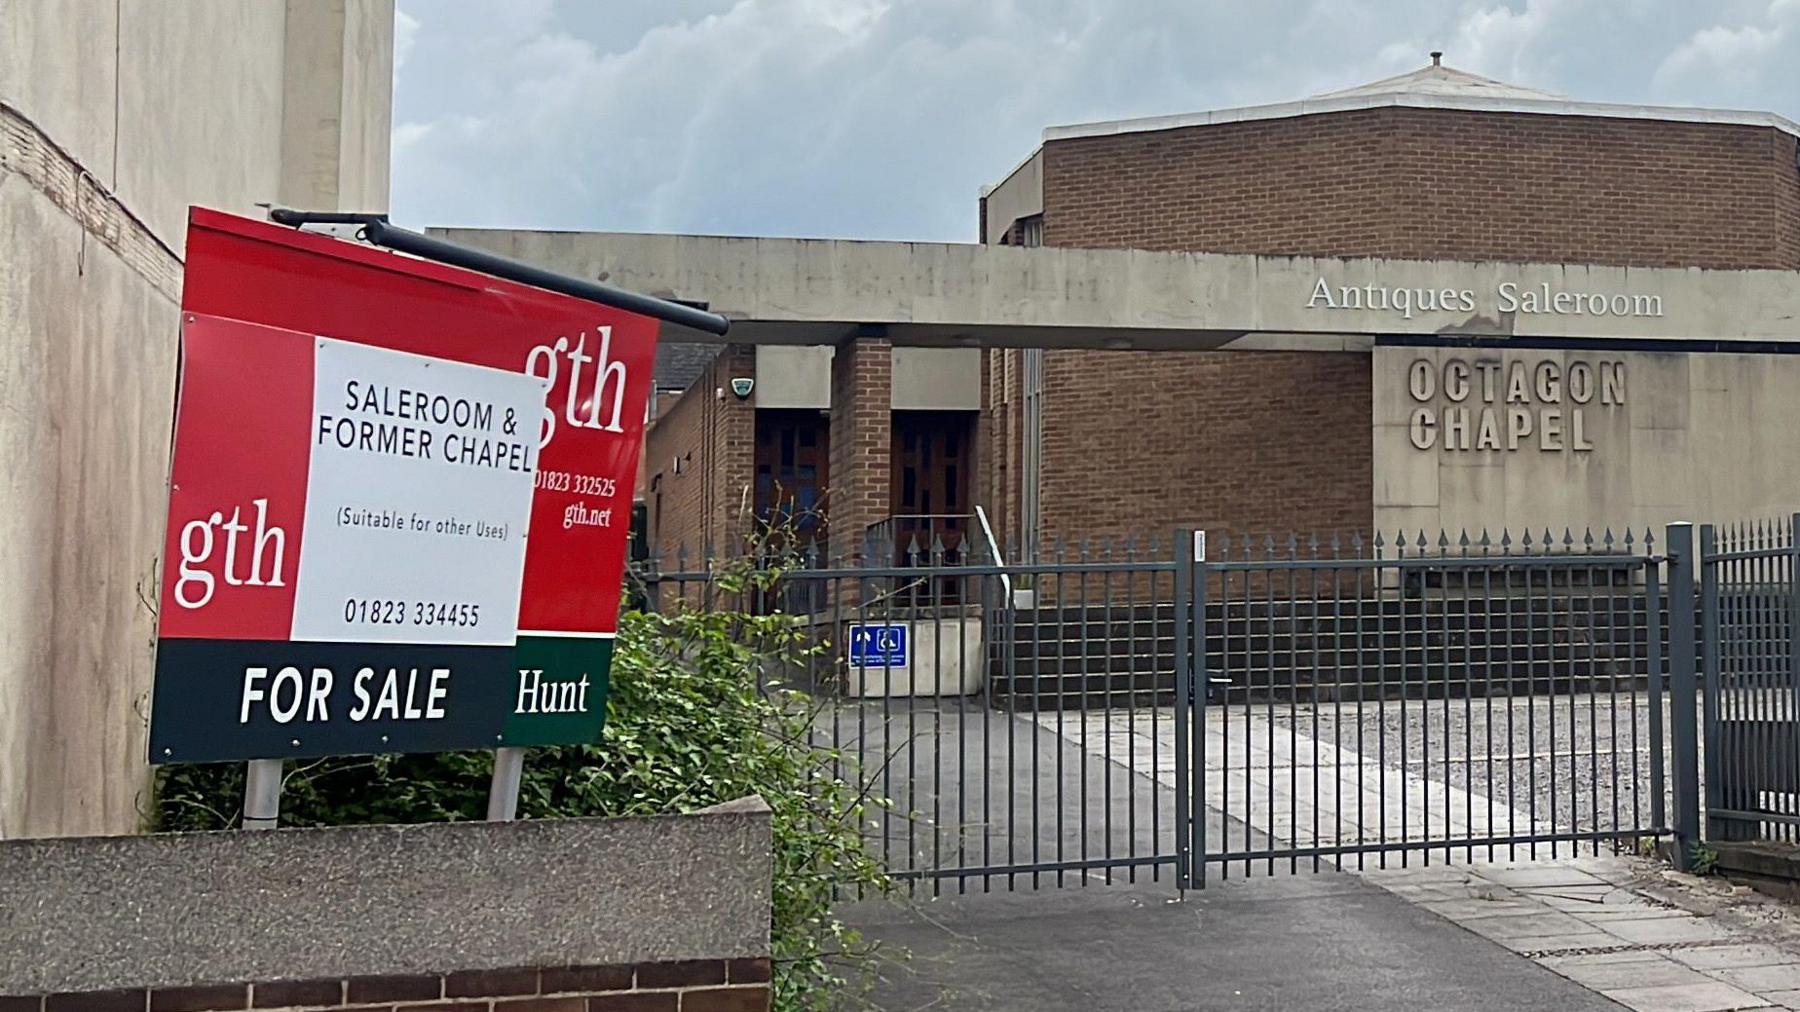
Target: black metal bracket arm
[{"x": 377, "y": 230}]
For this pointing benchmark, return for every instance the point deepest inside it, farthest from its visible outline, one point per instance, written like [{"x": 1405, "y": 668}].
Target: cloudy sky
[{"x": 882, "y": 118}]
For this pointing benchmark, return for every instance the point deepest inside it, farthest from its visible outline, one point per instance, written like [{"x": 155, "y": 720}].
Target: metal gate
[
  {"x": 1132, "y": 710},
  {"x": 1015, "y": 725},
  {"x": 1443, "y": 698}
]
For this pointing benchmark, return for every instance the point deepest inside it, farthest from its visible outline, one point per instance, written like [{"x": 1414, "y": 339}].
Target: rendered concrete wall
[
  {"x": 338, "y": 62},
  {"x": 1699, "y": 436},
  {"x": 809, "y": 291},
  {"x": 793, "y": 377},
  {"x": 96, "y": 914},
  {"x": 1020, "y": 195},
  {"x": 197, "y": 122},
  {"x": 87, "y": 371},
  {"x": 114, "y": 118},
  {"x": 937, "y": 379},
  {"x": 945, "y": 657}
]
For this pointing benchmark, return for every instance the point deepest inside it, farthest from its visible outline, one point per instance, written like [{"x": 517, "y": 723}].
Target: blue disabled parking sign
[{"x": 878, "y": 646}]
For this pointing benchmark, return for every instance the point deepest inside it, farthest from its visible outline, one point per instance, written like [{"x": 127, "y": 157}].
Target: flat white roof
[
  {"x": 1432, "y": 87},
  {"x": 1346, "y": 102}
]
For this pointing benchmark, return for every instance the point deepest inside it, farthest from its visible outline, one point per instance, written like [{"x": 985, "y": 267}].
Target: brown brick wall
[
  {"x": 708, "y": 985},
  {"x": 1435, "y": 184},
  {"x": 1255, "y": 442},
  {"x": 1245, "y": 442},
  {"x": 862, "y": 374},
  {"x": 703, "y": 507},
  {"x": 996, "y": 487},
  {"x": 1786, "y": 168}
]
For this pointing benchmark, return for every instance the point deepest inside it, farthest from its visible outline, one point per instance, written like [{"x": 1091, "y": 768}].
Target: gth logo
[
  {"x": 200, "y": 539},
  {"x": 584, "y": 405}
]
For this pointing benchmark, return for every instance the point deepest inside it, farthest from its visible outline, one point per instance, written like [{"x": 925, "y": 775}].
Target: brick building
[
  {"x": 1433, "y": 165},
  {"x": 1463, "y": 187}
]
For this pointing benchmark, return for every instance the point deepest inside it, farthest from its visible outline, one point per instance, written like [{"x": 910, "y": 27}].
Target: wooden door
[
  {"x": 792, "y": 453},
  {"x": 933, "y": 469}
]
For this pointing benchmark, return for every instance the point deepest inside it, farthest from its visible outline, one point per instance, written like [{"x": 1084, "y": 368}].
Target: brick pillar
[
  {"x": 861, "y": 440},
  {"x": 730, "y": 452}
]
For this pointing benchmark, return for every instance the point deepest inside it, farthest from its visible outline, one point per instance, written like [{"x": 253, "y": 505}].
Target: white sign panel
[{"x": 418, "y": 499}]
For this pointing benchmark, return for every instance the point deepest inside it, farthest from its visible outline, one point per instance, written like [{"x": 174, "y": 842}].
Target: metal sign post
[
  {"x": 503, "y": 793},
  {"x": 262, "y": 793}
]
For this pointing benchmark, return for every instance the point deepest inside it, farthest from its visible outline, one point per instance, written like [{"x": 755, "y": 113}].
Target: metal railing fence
[
  {"x": 1749, "y": 613},
  {"x": 1428, "y": 698}
]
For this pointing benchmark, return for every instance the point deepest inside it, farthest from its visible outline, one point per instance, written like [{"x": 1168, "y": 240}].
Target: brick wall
[
  {"x": 1245, "y": 442},
  {"x": 1138, "y": 443},
  {"x": 862, "y": 375},
  {"x": 715, "y": 985},
  {"x": 1787, "y": 197},
  {"x": 998, "y": 472},
  {"x": 703, "y": 506},
  {"x": 1436, "y": 184}
]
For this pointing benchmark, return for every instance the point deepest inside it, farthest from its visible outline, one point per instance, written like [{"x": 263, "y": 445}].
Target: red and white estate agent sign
[
  {"x": 347, "y": 531},
  {"x": 399, "y": 503}
]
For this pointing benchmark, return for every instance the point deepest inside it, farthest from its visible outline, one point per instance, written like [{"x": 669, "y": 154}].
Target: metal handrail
[{"x": 987, "y": 533}]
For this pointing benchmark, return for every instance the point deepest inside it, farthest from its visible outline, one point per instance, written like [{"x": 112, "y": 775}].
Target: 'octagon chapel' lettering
[{"x": 1489, "y": 405}]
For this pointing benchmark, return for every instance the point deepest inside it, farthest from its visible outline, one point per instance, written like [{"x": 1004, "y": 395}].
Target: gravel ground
[{"x": 1581, "y": 760}]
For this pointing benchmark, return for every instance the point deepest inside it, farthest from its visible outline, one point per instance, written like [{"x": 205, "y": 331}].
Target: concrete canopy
[{"x": 808, "y": 291}]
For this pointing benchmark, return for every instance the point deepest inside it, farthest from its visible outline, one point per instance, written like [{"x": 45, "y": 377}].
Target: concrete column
[
  {"x": 336, "y": 93},
  {"x": 861, "y": 440}
]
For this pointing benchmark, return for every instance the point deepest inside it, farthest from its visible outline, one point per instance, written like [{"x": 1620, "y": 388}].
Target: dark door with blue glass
[{"x": 792, "y": 448}]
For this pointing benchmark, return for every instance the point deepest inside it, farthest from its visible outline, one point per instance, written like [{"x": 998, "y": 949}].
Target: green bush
[{"x": 696, "y": 715}]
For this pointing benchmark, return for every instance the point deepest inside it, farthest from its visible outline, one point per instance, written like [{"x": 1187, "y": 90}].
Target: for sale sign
[{"x": 399, "y": 504}]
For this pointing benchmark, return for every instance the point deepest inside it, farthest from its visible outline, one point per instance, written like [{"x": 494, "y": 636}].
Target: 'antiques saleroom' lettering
[
  {"x": 1490, "y": 405},
  {"x": 1508, "y": 297}
]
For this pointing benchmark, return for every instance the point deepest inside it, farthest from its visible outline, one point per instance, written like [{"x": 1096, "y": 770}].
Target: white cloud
[
  {"x": 1737, "y": 57},
  {"x": 882, "y": 118},
  {"x": 406, "y": 32}
]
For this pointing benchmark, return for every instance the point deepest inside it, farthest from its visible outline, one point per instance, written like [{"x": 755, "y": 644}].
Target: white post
[
  {"x": 262, "y": 793},
  {"x": 503, "y": 793}
]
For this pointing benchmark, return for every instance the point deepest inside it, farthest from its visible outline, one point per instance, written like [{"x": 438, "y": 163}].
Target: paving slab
[
  {"x": 1668, "y": 931},
  {"x": 1614, "y": 970},
  {"x": 1709, "y": 997},
  {"x": 1553, "y": 944},
  {"x": 1761, "y": 978},
  {"x": 1534, "y": 924},
  {"x": 1549, "y": 874},
  {"x": 1723, "y": 956}
]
